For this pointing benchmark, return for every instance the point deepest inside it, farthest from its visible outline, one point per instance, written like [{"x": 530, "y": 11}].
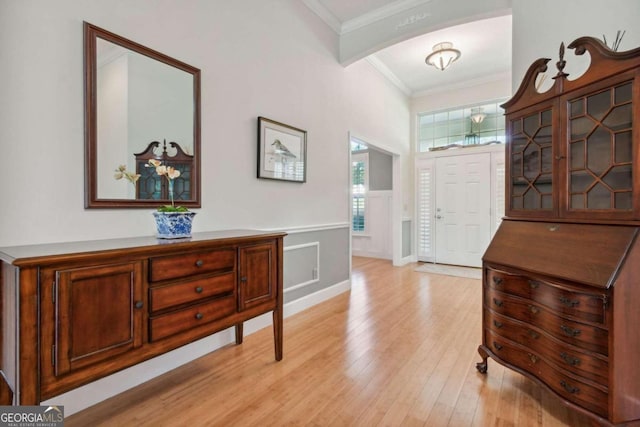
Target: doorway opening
[{"x": 375, "y": 207}]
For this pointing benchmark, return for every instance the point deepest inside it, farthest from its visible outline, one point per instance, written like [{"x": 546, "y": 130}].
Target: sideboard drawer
[
  {"x": 163, "y": 297},
  {"x": 191, "y": 317},
  {"x": 175, "y": 266}
]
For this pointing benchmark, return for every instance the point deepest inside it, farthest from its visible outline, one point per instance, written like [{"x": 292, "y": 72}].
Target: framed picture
[{"x": 282, "y": 151}]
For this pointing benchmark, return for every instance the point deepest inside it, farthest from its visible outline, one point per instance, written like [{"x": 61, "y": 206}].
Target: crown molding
[
  {"x": 379, "y": 14},
  {"x": 324, "y": 14},
  {"x": 387, "y": 73},
  {"x": 361, "y": 21}
]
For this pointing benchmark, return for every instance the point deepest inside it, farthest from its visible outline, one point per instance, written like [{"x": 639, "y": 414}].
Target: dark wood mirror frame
[{"x": 91, "y": 34}]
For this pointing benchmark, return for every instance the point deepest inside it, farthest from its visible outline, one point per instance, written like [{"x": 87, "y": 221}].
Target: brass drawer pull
[
  {"x": 533, "y": 334},
  {"x": 497, "y": 280},
  {"x": 139, "y": 304},
  {"x": 199, "y": 289},
  {"x": 569, "y": 388},
  {"x": 570, "y": 332},
  {"x": 497, "y": 346},
  {"x": 573, "y": 361},
  {"x": 199, "y": 263},
  {"x": 569, "y": 302},
  {"x": 199, "y": 316},
  {"x": 497, "y": 324},
  {"x": 533, "y": 309},
  {"x": 533, "y": 284},
  {"x": 533, "y": 358},
  {"x": 497, "y": 302}
]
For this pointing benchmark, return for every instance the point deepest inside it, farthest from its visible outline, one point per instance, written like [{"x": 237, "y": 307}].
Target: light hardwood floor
[{"x": 399, "y": 349}]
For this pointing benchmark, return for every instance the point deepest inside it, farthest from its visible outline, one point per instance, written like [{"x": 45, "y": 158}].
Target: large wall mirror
[{"x": 139, "y": 105}]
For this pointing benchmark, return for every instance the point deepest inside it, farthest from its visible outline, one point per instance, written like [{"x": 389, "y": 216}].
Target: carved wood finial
[{"x": 561, "y": 63}]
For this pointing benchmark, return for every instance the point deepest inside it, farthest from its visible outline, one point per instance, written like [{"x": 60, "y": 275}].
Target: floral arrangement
[
  {"x": 170, "y": 173},
  {"x": 122, "y": 172}
]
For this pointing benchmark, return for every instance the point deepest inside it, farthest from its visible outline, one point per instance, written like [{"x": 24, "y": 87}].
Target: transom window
[{"x": 455, "y": 126}]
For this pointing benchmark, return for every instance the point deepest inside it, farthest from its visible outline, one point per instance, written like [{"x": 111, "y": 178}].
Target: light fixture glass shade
[
  {"x": 478, "y": 117},
  {"x": 442, "y": 56}
]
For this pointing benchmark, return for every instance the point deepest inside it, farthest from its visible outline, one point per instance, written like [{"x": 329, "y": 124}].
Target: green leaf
[{"x": 169, "y": 208}]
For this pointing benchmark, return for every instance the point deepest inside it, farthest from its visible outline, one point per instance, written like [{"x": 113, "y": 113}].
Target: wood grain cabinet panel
[
  {"x": 560, "y": 276},
  {"x": 99, "y": 314},
  {"x": 257, "y": 276}
]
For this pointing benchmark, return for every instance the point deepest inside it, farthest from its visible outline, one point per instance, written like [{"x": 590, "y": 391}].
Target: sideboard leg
[
  {"x": 239, "y": 333},
  {"x": 277, "y": 333}
]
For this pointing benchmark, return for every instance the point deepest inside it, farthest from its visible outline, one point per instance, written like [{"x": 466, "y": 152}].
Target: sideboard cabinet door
[
  {"x": 98, "y": 313},
  {"x": 257, "y": 276}
]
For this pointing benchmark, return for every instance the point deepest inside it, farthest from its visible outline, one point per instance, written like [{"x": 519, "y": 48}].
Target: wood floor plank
[{"x": 399, "y": 349}]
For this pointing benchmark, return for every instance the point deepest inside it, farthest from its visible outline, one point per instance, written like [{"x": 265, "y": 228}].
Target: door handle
[{"x": 439, "y": 216}]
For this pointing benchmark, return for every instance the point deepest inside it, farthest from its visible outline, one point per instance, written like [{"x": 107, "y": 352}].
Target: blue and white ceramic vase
[{"x": 173, "y": 225}]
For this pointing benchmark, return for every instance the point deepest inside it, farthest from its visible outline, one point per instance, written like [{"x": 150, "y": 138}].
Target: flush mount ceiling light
[{"x": 442, "y": 56}]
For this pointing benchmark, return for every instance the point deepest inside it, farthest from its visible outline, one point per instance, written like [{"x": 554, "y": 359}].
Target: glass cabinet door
[
  {"x": 531, "y": 152},
  {"x": 600, "y": 153}
]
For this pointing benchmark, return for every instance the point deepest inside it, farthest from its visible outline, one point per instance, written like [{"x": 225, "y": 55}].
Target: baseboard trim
[
  {"x": 301, "y": 304},
  {"x": 406, "y": 260}
]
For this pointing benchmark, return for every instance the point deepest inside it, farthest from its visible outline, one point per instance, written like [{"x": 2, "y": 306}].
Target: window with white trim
[{"x": 360, "y": 187}]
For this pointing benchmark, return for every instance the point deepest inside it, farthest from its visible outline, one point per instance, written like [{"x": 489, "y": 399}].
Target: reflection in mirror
[{"x": 135, "y": 98}]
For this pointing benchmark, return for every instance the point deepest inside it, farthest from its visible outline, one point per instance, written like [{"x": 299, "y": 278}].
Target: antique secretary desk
[{"x": 561, "y": 278}]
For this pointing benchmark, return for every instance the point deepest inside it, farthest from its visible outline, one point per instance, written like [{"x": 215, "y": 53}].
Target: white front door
[{"x": 462, "y": 210}]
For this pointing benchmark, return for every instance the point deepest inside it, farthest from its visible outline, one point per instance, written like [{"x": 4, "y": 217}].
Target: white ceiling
[{"x": 485, "y": 46}]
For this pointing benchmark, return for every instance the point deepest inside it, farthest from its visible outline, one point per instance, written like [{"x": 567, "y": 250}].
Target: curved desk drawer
[
  {"x": 565, "y": 356},
  {"x": 592, "y": 397},
  {"x": 582, "y": 335},
  {"x": 589, "y": 307}
]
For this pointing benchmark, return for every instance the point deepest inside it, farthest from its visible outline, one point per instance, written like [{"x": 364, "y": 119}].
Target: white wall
[
  {"x": 272, "y": 58},
  {"x": 539, "y": 27}
]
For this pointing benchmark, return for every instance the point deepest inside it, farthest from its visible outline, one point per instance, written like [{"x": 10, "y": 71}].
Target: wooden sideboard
[{"x": 75, "y": 312}]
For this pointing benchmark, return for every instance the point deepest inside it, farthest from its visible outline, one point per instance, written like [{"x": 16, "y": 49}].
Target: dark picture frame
[{"x": 282, "y": 151}]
